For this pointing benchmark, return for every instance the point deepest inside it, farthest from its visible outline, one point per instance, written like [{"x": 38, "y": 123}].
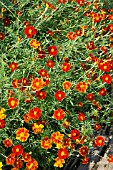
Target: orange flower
[
  {"x": 57, "y": 137},
  {"x": 26, "y": 157},
  {"x": 32, "y": 164},
  {"x": 110, "y": 158},
  {"x": 85, "y": 160},
  {"x": 81, "y": 87},
  {"x": 13, "y": 66},
  {"x": 71, "y": 36},
  {"x": 34, "y": 43},
  {"x": 59, "y": 114},
  {"x": 10, "y": 159},
  {"x": 12, "y": 102},
  {"x": 59, "y": 162},
  {"x": 22, "y": 134},
  {"x": 66, "y": 85},
  {"x": 46, "y": 143},
  {"x": 37, "y": 84},
  {"x": 37, "y": 128},
  {"x": 18, "y": 163},
  {"x": 7, "y": 143},
  {"x": 27, "y": 118}
]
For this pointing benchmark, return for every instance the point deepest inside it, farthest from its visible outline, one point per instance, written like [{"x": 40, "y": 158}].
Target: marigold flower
[
  {"x": 57, "y": 137},
  {"x": 59, "y": 162},
  {"x": 12, "y": 102},
  {"x": 80, "y": 2},
  {"x": 2, "y": 124},
  {"x": 37, "y": 128},
  {"x": 37, "y": 84},
  {"x": 52, "y": 50},
  {"x": 1, "y": 165},
  {"x": 41, "y": 54},
  {"x": 81, "y": 87},
  {"x": 35, "y": 113},
  {"x": 71, "y": 35},
  {"x": 66, "y": 123},
  {"x": 59, "y": 114},
  {"x": 13, "y": 66},
  {"x": 81, "y": 117},
  {"x": 50, "y": 64},
  {"x": 99, "y": 141},
  {"x": 26, "y": 157},
  {"x": 102, "y": 92},
  {"x": 59, "y": 95},
  {"x": 63, "y": 153},
  {"x": 27, "y": 118},
  {"x": 106, "y": 78},
  {"x": 75, "y": 134},
  {"x": 46, "y": 143},
  {"x": 90, "y": 45},
  {"x": 85, "y": 160},
  {"x": 65, "y": 67},
  {"x": 2, "y": 116},
  {"x": 7, "y": 143},
  {"x": 66, "y": 143},
  {"x": 90, "y": 96},
  {"x": 104, "y": 66},
  {"x": 34, "y": 43},
  {"x": 83, "y": 150},
  {"x": 2, "y": 36},
  {"x": 110, "y": 159},
  {"x": 97, "y": 126},
  {"x": 29, "y": 31},
  {"x": 32, "y": 164},
  {"x": 22, "y": 134},
  {"x": 6, "y": 21},
  {"x": 10, "y": 159},
  {"x": 17, "y": 150},
  {"x": 18, "y": 163}
]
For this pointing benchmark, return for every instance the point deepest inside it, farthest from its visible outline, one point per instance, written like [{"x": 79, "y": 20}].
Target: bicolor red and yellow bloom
[
  {"x": 30, "y": 31},
  {"x": 59, "y": 114},
  {"x": 12, "y": 102},
  {"x": 22, "y": 134},
  {"x": 59, "y": 95},
  {"x": 81, "y": 87}
]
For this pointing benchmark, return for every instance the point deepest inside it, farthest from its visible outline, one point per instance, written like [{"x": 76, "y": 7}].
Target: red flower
[
  {"x": 90, "y": 45},
  {"x": 13, "y": 66},
  {"x": 26, "y": 157},
  {"x": 41, "y": 94},
  {"x": 2, "y": 36},
  {"x": 52, "y": 50},
  {"x": 7, "y": 143},
  {"x": 99, "y": 141},
  {"x": 85, "y": 160},
  {"x": 81, "y": 117},
  {"x": 17, "y": 150},
  {"x": 83, "y": 151},
  {"x": 75, "y": 134},
  {"x": 41, "y": 54},
  {"x": 90, "y": 96},
  {"x": 110, "y": 27},
  {"x": 18, "y": 163},
  {"x": 35, "y": 113},
  {"x": 22, "y": 83},
  {"x": 59, "y": 114},
  {"x": 110, "y": 17},
  {"x": 12, "y": 102},
  {"x": 50, "y": 64},
  {"x": 104, "y": 66},
  {"x": 43, "y": 73},
  {"x": 29, "y": 31},
  {"x": 71, "y": 36},
  {"x": 32, "y": 164},
  {"x": 63, "y": 153},
  {"x": 2, "y": 124},
  {"x": 59, "y": 95},
  {"x": 50, "y": 32},
  {"x": 81, "y": 87},
  {"x": 6, "y": 21},
  {"x": 106, "y": 78},
  {"x": 78, "y": 32},
  {"x": 62, "y": 1},
  {"x": 66, "y": 67},
  {"x": 102, "y": 92},
  {"x": 110, "y": 158},
  {"x": 97, "y": 126},
  {"x": 80, "y": 2}
]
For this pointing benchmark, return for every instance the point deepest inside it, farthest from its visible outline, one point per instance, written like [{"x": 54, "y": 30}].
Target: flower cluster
[{"x": 56, "y": 81}]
